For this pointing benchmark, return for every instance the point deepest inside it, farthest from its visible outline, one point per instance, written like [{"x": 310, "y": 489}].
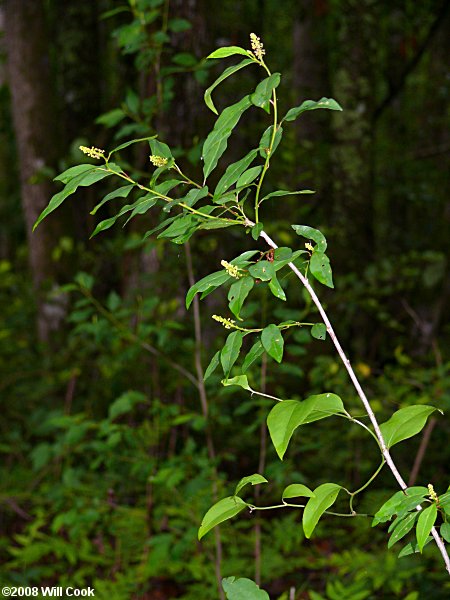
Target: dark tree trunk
[{"x": 36, "y": 138}]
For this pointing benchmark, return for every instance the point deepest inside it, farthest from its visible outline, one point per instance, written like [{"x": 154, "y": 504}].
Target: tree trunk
[{"x": 36, "y": 138}]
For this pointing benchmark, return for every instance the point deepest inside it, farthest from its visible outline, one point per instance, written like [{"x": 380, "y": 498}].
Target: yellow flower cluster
[
  {"x": 232, "y": 270},
  {"x": 227, "y": 323},
  {"x": 158, "y": 161},
  {"x": 92, "y": 152},
  {"x": 257, "y": 46},
  {"x": 432, "y": 494}
]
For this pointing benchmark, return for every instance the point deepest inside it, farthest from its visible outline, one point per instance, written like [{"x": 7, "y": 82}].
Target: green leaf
[
  {"x": 121, "y": 192},
  {"x": 297, "y": 489},
  {"x": 273, "y": 342},
  {"x": 328, "y": 103},
  {"x": 266, "y": 137},
  {"x": 411, "y": 548},
  {"x": 243, "y": 259},
  {"x": 256, "y": 230},
  {"x": 228, "y": 51},
  {"x": 111, "y": 118},
  {"x": 263, "y": 270},
  {"x": 233, "y": 69},
  {"x": 286, "y": 416},
  {"x": 276, "y": 289},
  {"x": 237, "y": 294},
  {"x": 254, "y": 353},
  {"x": 425, "y": 522},
  {"x": 233, "y": 172},
  {"x": 143, "y": 205},
  {"x": 282, "y": 253},
  {"x": 212, "y": 281},
  {"x": 179, "y": 25},
  {"x": 324, "y": 496},
  {"x": 76, "y": 171},
  {"x": 445, "y": 531},
  {"x": 393, "y": 504},
  {"x": 243, "y": 589},
  {"x": 403, "y": 528},
  {"x": 261, "y": 96},
  {"x": 240, "y": 380},
  {"x": 221, "y": 511},
  {"x": 107, "y": 223},
  {"x": 253, "y": 479},
  {"x": 160, "y": 149},
  {"x": 193, "y": 196},
  {"x": 212, "y": 365},
  {"x": 230, "y": 351},
  {"x": 319, "y": 266},
  {"x": 130, "y": 142},
  {"x": 248, "y": 176},
  {"x": 217, "y": 141},
  {"x": 286, "y": 193},
  {"x": 311, "y": 234},
  {"x": 405, "y": 423},
  {"x": 84, "y": 178},
  {"x": 319, "y": 331},
  {"x": 180, "y": 226}
]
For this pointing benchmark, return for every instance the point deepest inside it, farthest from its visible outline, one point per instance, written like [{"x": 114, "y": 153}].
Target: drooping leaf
[
  {"x": 286, "y": 416},
  {"x": 319, "y": 266},
  {"x": 328, "y": 103},
  {"x": 215, "y": 361},
  {"x": 230, "y": 351},
  {"x": 256, "y": 230},
  {"x": 253, "y": 479},
  {"x": 214, "y": 280},
  {"x": 405, "y": 423},
  {"x": 425, "y": 522},
  {"x": 233, "y": 172},
  {"x": 297, "y": 489},
  {"x": 130, "y": 142},
  {"x": 76, "y": 171},
  {"x": 319, "y": 331},
  {"x": 263, "y": 270},
  {"x": 144, "y": 204},
  {"x": 261, "y": 96},
  {"x": 237, "y": 294},
  {"x": 228, "y": 51},
  {"x": 411, "y": 548},
  {"x": 217, "y": 141},
  {"x": 311, "y": 234},
  {"x": 193, "y": 196},
  {"x": 240, "y": 380},
  {"x": 107, "y": 223},
  {"x": 404, "y": 526},
  {"x": 324, "y": 496},
  {"x": 121, "y": 192},
  {"x": 243, "y": 589},
  {"x": 84, "y": 178},
  {"x": 286, "y": 193},
  {"x": 276, "y": 289},
  {"x": 273, "y": 342},
  {"x": 181, "y": 225},
  {"x": 254, "y": 353},
  {"x": 264, "y": 142},
  {"x": 223, "y": 510},
  {"x": 233, "y": 69},
  {"x": 392, "y": 506}
]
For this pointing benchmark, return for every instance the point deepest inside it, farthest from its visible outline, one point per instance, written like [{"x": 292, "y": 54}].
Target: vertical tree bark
[{"x": 36, "y": 137}]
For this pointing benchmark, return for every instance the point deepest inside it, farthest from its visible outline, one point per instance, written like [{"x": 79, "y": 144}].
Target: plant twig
[{"x": 360, "y": 392}]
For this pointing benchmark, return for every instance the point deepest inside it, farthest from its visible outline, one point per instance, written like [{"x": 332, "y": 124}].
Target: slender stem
[
  {"x": 363, "y": 487},
  {"x": 288, "y": 505},
  {"x": 360, "y": 392}
]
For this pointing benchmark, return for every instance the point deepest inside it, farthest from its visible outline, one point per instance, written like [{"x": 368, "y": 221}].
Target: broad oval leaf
[
  {"x": 324, "y": 496},
  {"x": 405, "y": 423},
  {"x": 319, "y": 266},
  {"x": 263, "y": 270},
  {"x": 425, "y": 522},
  {"x": 223, "y": 510},
  {"x": 217, "y": 141},
  {"x": 273, "y": 342},
  {"x": 253, "y": 479},
  {"x": 237, "y": 294},
  {"x": 263, "y": 92},
  {"x": 228, "y": 51},
  {"x": 233, "y": 69},
  {"x": 311, "y": 234},
  {"x": 319, "y": 331},
  {"x": 297, "y": 489},
  {"x": 230, "y": 351},
  {"x": 328, "y": 103},
  {"x": 243, "y": 589}
]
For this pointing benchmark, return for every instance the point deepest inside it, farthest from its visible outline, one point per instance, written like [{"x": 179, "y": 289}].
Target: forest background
[{"x": 110, "y": 457}]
